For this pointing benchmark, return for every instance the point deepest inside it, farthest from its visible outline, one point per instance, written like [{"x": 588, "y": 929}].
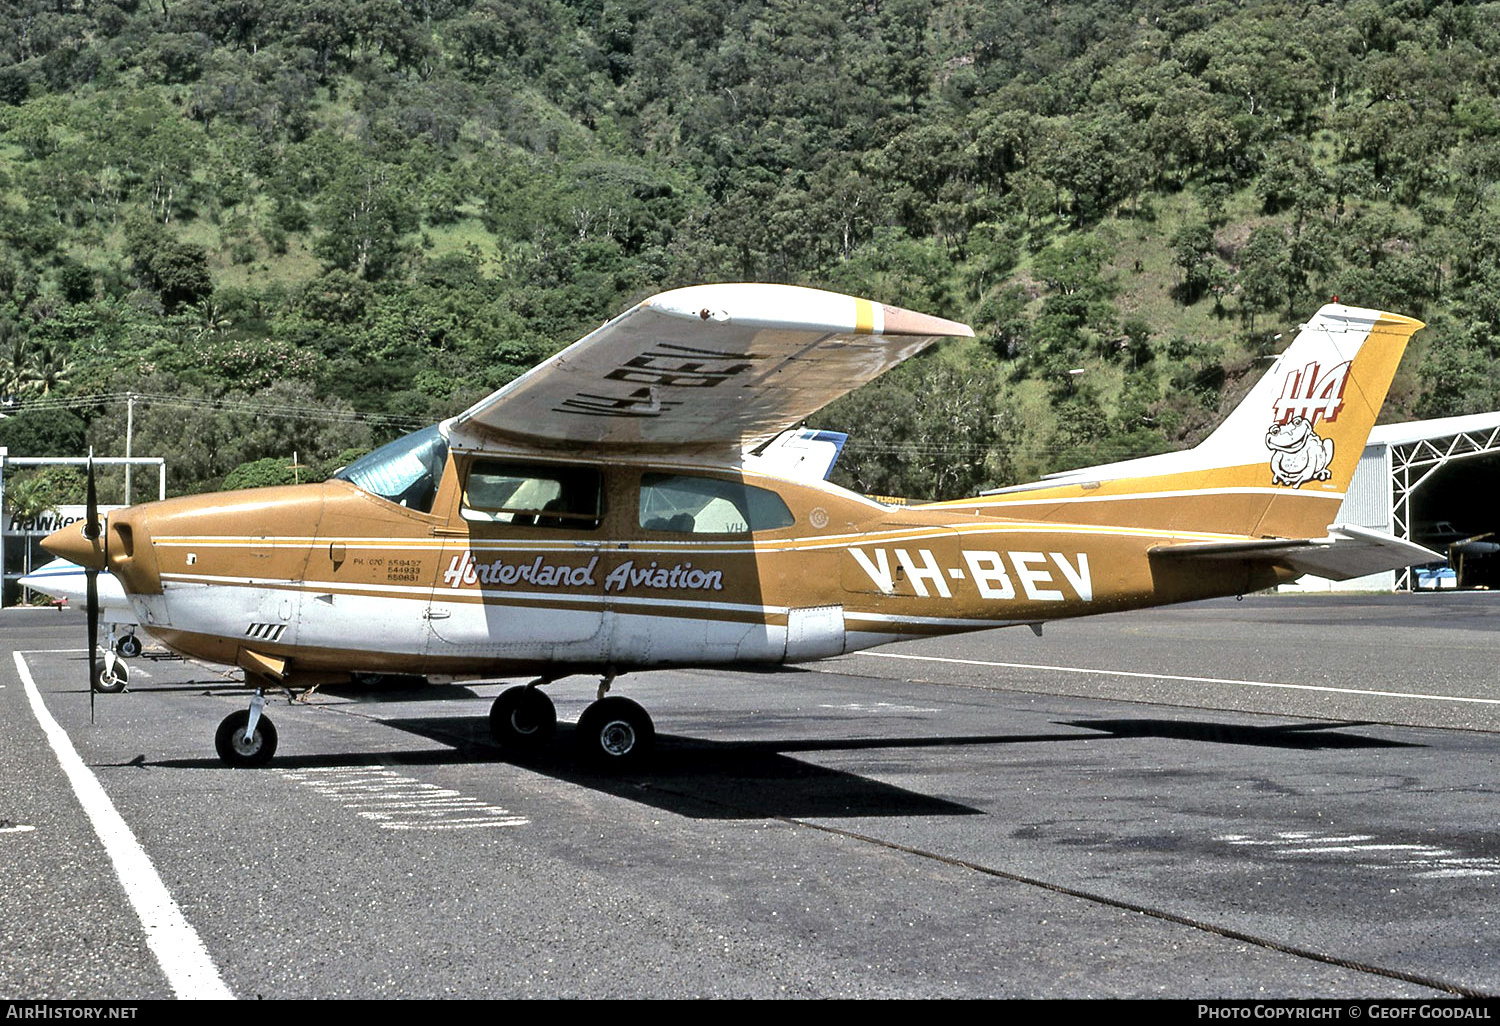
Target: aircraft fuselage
[{"x": 312, "y": 582}]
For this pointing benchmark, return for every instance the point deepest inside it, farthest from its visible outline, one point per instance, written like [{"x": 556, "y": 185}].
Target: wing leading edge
[{"x": 709, "y": 367}]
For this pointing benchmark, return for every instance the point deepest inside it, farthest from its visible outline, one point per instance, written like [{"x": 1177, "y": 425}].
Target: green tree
[
  {"x": 1194, "y": 248},
  {"x": 32, "y": 492},
  {"x": 261, "y": 473},
  {"x": 365, "y": 215},
  {"x": 928, "y": 429},
  {"x": 43, "y": 433},
  {"x": 1265, "y": 267}
]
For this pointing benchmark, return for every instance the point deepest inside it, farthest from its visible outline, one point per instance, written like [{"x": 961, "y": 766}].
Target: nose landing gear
[
  {"x": 247, "y": 738},
  {"x": 111, "y": 676}
]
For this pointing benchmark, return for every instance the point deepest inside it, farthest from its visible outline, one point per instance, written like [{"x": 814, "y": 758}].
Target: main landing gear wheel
[
  {"x": 129, "y": 646},
  {"x": 615, "y": 734},
  {"x": 111, "y": 677},
  {"x": 233, "y": 747},
  {"x": 522, "y": 719}
]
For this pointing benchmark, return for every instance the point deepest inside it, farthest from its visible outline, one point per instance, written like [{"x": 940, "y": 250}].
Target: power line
[
  {"x": 245, "y": 406},
  {"x": 856, "y": 446}
]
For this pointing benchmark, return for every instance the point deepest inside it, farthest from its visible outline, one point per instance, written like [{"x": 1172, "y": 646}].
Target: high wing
[{"x": 700, "y": 369}]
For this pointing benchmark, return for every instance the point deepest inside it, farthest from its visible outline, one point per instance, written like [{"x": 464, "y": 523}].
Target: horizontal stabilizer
[
  {"x": 1346, "y": 552},
  {"x": 801, "y": 454}
]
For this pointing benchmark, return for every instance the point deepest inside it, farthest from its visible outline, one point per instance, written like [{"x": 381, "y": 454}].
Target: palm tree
[
  {"x": 47, "y": 369},
  {"x": 210, "y": 318},
  {"x": 15, "y": 368}
]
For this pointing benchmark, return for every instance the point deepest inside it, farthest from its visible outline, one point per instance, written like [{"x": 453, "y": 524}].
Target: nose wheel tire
[
  {"x": 233, "y": 747},
  {"x": 615, "y": 734},
  {"x": 522, "y": 719},
  {"x": 111, "y": 680}
]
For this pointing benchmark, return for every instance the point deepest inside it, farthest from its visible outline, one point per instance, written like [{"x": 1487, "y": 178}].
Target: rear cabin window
[
  {"x": 528, "y": 494},
  {"x": 707, "y": 505}
]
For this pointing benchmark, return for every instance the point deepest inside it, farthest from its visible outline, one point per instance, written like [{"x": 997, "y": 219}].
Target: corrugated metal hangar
[{"x": 1434, "y": 482}]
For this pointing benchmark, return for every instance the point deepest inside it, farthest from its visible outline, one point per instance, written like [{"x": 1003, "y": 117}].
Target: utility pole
[{"x": 129, "y": 430}]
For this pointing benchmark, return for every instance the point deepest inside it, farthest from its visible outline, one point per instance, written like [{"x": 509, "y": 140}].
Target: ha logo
[{"x": 1298, "y": 453}]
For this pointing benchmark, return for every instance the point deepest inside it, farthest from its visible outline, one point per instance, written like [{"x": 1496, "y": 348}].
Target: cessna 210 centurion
[{"x": 639, "y": 501}]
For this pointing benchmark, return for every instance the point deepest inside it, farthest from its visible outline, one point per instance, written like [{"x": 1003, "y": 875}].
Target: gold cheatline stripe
[{"x": 864, "y": 317}]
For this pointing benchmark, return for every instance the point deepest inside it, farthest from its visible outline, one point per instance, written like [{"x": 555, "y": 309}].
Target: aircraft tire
[
  {"x": 112, "y": 680},
  {"x": 129, "y": 646},
  {"x": 615, "y": 734},
  {"x": 231, "y": 745},
  {"x": 522, "y": 719}
]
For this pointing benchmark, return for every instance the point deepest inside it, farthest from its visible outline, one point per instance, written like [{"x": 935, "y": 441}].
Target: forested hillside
[{"x": 308, "y": 225}]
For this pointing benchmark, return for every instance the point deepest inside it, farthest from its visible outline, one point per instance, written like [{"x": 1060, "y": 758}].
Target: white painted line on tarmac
[
  {"x": 1192, "y": 680},
  {"x": 172, "y": 939},
  {"x": 1423, "y": 861},
  {"x": 394, "y": 801},
  {"x": 136, "y": 668}
]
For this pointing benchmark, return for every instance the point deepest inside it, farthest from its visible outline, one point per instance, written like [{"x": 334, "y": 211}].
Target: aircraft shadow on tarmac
[
  {"x": 687, "y": 776},
  {"x": 714, "y": 779},
  {"x": 704, "y": 779},
  {"x": 1303, "y": 736}
]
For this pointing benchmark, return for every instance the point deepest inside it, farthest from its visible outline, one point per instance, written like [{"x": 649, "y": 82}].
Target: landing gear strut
[{"x": 247, "y": 738}]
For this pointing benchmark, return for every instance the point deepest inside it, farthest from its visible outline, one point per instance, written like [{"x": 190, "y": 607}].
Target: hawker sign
[{"x": 49, "y": 521}]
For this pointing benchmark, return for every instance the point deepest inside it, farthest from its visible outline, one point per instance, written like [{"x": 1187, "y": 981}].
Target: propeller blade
[
  {"x": 91, "y": 578},
  {"x": 91, "y": 531}
]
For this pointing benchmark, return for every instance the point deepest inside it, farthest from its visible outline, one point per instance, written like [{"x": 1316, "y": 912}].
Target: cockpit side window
[
  {"x": 529, "y": 494},
  {"x": 406, "y": 471}
]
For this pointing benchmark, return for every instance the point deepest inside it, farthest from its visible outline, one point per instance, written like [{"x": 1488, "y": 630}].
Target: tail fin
[{"x": 1279, "y": 465}]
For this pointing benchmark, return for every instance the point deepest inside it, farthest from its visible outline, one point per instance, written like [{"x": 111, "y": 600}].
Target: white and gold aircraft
[{"x": 637, "y": 501}]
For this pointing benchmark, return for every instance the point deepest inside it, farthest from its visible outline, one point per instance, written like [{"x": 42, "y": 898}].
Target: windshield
[{"x": 405, "y": 471}]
